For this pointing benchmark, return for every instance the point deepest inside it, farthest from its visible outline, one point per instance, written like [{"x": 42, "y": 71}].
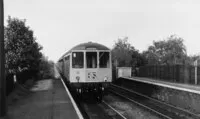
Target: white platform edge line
[
  {"x": 73, "y": 102},
  {"x": 164, "y": 85}
]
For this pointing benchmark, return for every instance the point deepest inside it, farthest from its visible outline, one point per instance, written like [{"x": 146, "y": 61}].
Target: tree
[
  {"x": 169, "y": 51},
  {"x": 22, "y": 50},
  {"x": 121, "y": 52},
  {"x": 126, "y": 55},
  {"x": 190, "y": 59},
  {"x": 46, "y": 68},
  {"x": 151, "y": 55}
]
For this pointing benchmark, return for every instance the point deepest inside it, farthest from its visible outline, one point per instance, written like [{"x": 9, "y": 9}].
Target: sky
[{"x": 59, "y": 25}]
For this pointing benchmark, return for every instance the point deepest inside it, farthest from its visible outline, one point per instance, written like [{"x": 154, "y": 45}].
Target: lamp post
[{"x": 3, "y": 109}]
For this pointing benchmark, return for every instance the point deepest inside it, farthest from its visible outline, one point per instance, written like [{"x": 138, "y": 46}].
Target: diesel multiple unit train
[{"x": 87, "y": 68}]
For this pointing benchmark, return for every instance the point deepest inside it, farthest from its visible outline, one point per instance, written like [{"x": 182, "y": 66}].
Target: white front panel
[
  {"x": 91, "y": 75},
  {"x": 77, "y": 73},
  {"x": 98, "y": 75},
  {"x": 105, "y": 72}
]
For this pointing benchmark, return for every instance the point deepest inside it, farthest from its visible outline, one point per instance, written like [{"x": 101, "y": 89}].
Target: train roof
[{"x": 85, "y": 46}]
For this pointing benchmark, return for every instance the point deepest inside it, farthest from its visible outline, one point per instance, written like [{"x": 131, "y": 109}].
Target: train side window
[
  {"x": 91, "y": 58},
  {"x": 67, "y": 58},
  {"x": 104, "y": 61},
  {"x": 77, "y": 60}
]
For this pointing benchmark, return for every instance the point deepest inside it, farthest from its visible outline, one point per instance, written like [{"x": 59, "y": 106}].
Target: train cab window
[
  {"x": 77, "y": 60},
  {"x": 91, "y": 58},
  {"x": 104, "y": 61}
]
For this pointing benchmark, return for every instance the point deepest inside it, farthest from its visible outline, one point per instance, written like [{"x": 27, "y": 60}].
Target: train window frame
[
  {"x": 108, "y": 65},
  {"x": 67, "y": 57},
  {"x": 86, "y": 60},
  {"x": 72, "y": 58}
]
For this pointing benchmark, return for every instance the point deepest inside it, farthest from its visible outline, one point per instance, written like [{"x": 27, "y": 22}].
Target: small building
[{"x": 124, "y": 72}]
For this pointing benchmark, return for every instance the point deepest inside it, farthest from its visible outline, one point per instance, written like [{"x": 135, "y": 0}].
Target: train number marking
[{"x": 92, "y": 75}]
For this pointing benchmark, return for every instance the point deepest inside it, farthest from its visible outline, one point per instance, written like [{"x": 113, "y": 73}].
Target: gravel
[{"x": 128, "y": 109}]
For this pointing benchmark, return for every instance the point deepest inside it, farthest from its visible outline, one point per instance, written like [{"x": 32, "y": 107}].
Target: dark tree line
[
  {"x": 170, "y": 51},
  {"x": 22, "y": 52},
  {"x": 46, "y": 68},
  {"x": 125, "y": 55}
]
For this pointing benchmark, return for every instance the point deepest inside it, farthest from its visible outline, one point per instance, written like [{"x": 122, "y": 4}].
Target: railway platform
[
  {"x": 184, "y": 96},
  {"x": 49, "y": 99},
  {"x": 176, "y": 86}
]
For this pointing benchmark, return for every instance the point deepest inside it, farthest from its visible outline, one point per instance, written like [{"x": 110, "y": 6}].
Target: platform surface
[
  {"x": 178, "y": 86},
  {"x": 48, "y": 100}
]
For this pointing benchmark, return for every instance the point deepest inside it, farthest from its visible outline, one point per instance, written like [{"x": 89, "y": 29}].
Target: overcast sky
[{"x": 59, "y": 25}]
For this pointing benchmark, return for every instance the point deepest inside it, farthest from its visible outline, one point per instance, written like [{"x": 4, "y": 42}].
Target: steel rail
[
  {"x": 114, "y": 109},
  {"x": 140, "y": 104},
  {"x": 171, "y": 106}
]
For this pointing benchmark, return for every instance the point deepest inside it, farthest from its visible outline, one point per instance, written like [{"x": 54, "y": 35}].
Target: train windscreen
[
  {"x": 91, "y": 58},
  {"x": 104, "y": 60},
  {"x": 77, "y": 60}
]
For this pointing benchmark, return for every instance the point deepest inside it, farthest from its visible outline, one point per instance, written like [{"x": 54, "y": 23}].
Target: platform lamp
[{"x": 3, "y": 108}]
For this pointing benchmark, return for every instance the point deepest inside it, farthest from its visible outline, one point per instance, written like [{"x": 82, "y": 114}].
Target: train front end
[{"x": 91, "y": 70}]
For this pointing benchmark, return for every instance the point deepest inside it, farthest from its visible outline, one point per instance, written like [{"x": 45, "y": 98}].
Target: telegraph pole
[{"x": 3, "y": 109}]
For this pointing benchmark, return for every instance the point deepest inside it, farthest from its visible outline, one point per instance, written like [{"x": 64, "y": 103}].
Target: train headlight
[
  {"x": 78, "y": 78},
  {"x": 105, "y": 78}
]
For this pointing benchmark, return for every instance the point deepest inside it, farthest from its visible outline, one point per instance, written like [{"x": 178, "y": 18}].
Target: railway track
[
  {"x": 103, "y": 110},
  {"x": 121, "y": 115},
  {"x": 161, "y": 109},
  {"x": 91, "y": 109}
]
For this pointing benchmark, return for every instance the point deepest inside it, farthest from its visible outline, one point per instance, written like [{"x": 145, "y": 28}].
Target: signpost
[{"x": 3, "y": 109}]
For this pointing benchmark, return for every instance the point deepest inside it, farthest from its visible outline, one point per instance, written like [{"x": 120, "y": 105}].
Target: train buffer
[{"x": 49, "y": 100}]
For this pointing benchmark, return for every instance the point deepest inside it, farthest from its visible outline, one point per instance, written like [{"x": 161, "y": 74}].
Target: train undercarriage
[{"x": 94, "y": 91}]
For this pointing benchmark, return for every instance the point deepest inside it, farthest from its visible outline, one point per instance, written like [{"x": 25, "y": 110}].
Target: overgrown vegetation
[
  {"x": 46, "y": 68},
  {"x": 124, "y": 54},
  {"x": 23, "y": 53},
  {"x": 170, "y": 51}
]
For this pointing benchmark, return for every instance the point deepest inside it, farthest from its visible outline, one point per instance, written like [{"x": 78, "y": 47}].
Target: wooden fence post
[
  {"x": 195, "y": 70},
  {"x": 195, "y": 75}
]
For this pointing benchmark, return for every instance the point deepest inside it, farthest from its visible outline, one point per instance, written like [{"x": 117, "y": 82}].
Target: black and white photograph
[{"x": 99, "y": 59}]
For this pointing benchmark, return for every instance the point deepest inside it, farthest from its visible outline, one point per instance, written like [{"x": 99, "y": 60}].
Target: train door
[{"x": 91, "y": 66}]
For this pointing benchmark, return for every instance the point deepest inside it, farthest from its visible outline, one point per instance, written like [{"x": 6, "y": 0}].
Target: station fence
[{"x": 171, "y": 73}]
